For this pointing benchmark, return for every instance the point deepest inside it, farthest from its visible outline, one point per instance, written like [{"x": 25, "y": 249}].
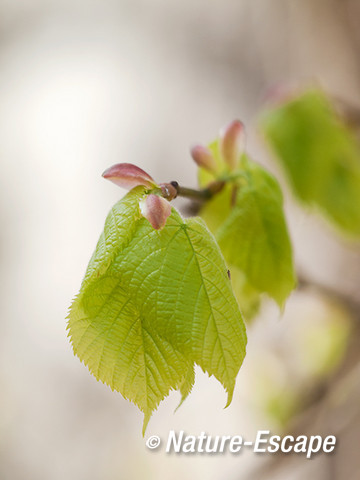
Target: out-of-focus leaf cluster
[{"x": 319, "y": 154}]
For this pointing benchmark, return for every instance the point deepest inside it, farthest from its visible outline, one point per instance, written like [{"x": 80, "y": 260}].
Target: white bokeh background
[{"x": 84, "y": 85}]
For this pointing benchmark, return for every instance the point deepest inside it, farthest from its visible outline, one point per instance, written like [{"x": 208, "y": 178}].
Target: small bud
[
  {"x": 204, "y": 158},
  {"x": 128, "y": 176},
  {"x": 232, "y": 143},
  {"x": 168, "y": 190},
  {"x": 156, "y": 210}
]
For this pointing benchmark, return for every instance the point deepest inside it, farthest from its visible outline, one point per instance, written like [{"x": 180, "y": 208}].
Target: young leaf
[
  {"x": 217, "y": 208},
  {"x": 320, "y": 156},
  {"x": 222, "y": 156},
  {"x": 247, "y": 296},
  {"x": 153, "y": 303},
  {"x": 252, "y": 234},
  {"x": 187, "y": 384}
]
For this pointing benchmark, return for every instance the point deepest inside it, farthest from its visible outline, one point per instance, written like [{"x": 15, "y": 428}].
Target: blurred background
[{"x": 84, "y": 85}]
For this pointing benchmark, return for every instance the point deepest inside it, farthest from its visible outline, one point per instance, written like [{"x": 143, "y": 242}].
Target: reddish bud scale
[
  {"x": 232, "y": 143},
  {"x": 204, "y": 158},
  {"x": 127, "y": 175},
  {"x": 156, "y": 210}
]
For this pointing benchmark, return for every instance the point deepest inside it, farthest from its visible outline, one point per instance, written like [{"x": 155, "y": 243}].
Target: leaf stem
[
  {"x": 200, "y": 195},
  {"x": 193, "y": 194}
]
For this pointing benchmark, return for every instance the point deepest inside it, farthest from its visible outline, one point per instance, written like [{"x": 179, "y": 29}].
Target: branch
[
  {"x": 349, "y": 301},
  {"x": 199, "y": 195}
]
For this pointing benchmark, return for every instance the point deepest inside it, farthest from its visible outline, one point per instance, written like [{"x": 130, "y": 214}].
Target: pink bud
[
  {"x": 128, "y": 176},
  {"x": 203, "y": 157},
  {"x": 155, "y": 209},
  {"x": 232, "y": 143}
]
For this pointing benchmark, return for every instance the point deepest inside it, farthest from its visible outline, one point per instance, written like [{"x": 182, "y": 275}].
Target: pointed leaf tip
[
  {"x": 232, "y": 142},
  {"x": 127, "y": 175},
  {"x": 203, "y": 157},
  {"x": 156, "y": 210}
]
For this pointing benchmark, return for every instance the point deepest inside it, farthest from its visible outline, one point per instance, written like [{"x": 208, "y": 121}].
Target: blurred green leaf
[
  {"x": 320, "y": 155},
  {"x": 217, "y": 208},
  {"x": 324, "y": 341},
  {"x": 247, "y": 296},
  {"x": 248, "y": 222}
]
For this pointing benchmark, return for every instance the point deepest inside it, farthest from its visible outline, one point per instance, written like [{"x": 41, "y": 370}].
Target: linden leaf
[
  {"x": 153, "y": 303},
  {"x": 187, "y": 384},
  {"x": 252, "y": 232},
  {"x": 320, "y": 156},
  {"x": 247, "y": 296}
]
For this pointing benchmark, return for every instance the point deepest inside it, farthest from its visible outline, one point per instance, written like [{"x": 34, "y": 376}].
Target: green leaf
[
  {"x": 320, "y": 156},
  {"x": 247, "y": 296},
  {"x": 153, "y": 303},
  {"x": 253, "y": 234},
  {"x": 187, "y": 384},
  {"x": 217, "y": 208}
]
